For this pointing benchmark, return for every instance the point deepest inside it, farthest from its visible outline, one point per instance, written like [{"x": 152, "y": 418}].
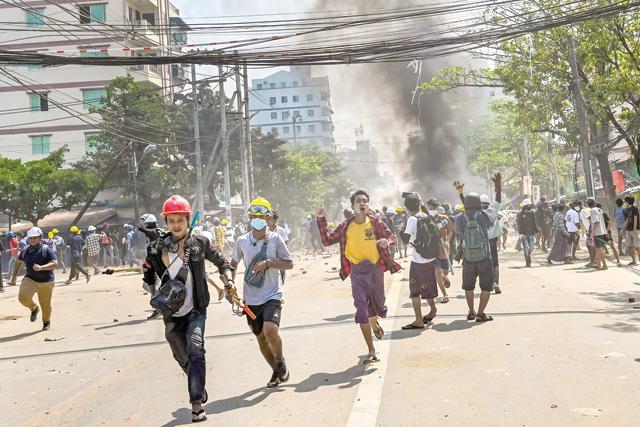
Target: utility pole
[
  {"x": 243, "y": 146},
  {"x": 554, "y": 163},
  {"x": 293, "y": 122},
  {"x": 247, "y": 129},
  {"x": 225, "y": 142},
  {"x": 199, "y": 205},
  {"x": 582, "y": 120}
]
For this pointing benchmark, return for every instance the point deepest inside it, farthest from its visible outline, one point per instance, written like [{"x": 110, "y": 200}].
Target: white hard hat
[
  {"x": 441, "y": 210},
  {"x": 150, "y": 218},
  {"x": 526, "y": 202},
  {"x": 34, "y": 232},
  {"x": 91, "y": 228},
  {"x": 484, "y": 198},
  {"x": 208, "y": 235}
]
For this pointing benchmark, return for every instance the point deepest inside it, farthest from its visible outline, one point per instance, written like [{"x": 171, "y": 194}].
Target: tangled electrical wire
[{"x": 392, "y": 35}]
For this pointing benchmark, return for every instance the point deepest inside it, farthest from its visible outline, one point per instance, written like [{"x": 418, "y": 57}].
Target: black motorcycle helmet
[{"x": 472, "y": 201}]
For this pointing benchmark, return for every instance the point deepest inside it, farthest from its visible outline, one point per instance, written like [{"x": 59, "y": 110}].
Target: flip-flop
[
  {"x": 483, "y": 318},
  {"x": 471, "y": 315},
  {"x": 444, "y": 300},
  {"x": 197, "y": 417},
  {"x": 370, "y": 358},
  {"x": 378, "y": 331},
  {"x": 427, "y": 319},
  {"x": 412, "y": 326}
]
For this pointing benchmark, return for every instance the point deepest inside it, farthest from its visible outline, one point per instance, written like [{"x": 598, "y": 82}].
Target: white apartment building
[
  {"x": 294, "y": 105},
  {"x": 32, "y": 121}
]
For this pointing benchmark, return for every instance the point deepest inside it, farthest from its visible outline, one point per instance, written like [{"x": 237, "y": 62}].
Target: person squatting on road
[
  {"x": 177, "y": 258},
  {"x": 40, "y": 260},
  {"x": 422, "y": 233},
  {"x": 364, "y": 254},
  {"x": 472, "y": 228},
  {"x": 264, "y": 254}
]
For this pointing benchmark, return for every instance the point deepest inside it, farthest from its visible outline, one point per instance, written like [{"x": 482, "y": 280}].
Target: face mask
[
  {"x": 258, "y": 223},
  {"x": 433, "y": 213}
]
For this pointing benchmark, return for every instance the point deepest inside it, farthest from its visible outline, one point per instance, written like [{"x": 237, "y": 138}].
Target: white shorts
[{"x": 633, "y": 238}]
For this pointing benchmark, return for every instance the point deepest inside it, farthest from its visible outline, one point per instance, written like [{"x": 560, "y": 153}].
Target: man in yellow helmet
[
  {"x": 76, "y": 243},
  {"x": 265, "y": 255}
]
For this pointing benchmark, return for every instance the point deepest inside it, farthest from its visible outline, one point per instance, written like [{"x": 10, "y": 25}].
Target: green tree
[
  {"x": 9, "y": 187},
  {"x": 45, "y": 186}
]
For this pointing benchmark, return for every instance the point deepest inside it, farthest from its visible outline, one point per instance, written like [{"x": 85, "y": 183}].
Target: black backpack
[{"x": 428, "y": 240}]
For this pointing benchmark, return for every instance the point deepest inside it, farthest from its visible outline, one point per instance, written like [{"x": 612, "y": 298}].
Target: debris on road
[{"x": 48, "y": 339}]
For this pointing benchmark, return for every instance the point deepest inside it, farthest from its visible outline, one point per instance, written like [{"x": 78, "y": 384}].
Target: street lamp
[{"x": 148, "y": 149}]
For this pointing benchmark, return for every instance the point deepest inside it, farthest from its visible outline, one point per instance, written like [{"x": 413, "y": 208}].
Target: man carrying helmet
[
  {"x": 76, "y": 243},
  {"x": 364, "y": 255},
  {"x": 40, "y": 261},
  {"x": 472, "y": 227},
  {"x": 264, "y": 254},
  {"x": 184, "y": 324}
]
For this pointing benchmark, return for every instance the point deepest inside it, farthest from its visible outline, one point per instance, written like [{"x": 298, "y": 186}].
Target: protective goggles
[{"x": 259, "y": 210}]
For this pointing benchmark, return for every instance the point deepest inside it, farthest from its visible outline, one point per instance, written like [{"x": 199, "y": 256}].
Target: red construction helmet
[{"x": 176, "y": 205}]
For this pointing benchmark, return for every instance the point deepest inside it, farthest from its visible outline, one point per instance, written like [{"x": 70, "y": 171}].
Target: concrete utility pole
[
  {"x": 243, "y": 146},
  {"x": 247, "y": 129},
  {"x": 199, "y": 205},
  {"x": 225, "y": 143},
  {"x": 582, "y": 119}
]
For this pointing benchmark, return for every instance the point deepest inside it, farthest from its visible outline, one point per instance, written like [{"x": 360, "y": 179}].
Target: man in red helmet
[{"x": 184, "y": 328}]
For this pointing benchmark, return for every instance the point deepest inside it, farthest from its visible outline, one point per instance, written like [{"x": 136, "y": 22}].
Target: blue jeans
[
  {"x": 527, "y": 243},
  {"x": 185, "y": 336},
  {"x": 12, "y": 265}
]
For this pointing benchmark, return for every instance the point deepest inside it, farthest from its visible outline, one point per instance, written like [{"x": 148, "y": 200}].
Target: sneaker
[
  {"x": 283, "y": 372},
  {"x": 497, "y": 290},
  {"x": 34, "y": 314},
  {"x": 46, "y": 326},
  {"x": 274, "y": 381}
]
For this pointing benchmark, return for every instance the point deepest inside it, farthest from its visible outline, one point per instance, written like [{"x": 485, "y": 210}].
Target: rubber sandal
[
  {"x": 378, "y": 331},
  {"x": 370, "y": 358},
  {"x": 471, "y": 315},
  {"x": 412, "y": 326},
  {"x": 444, "y": 300},
  {"x": 483, "y": 318},
  {"x": 197, "y": 417},
  {"x": 428, "y": 319}
]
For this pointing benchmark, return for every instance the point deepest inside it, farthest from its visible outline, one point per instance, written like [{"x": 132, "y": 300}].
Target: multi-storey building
[
  {"x": 45, "y": 108},
  {"x": 294, "y": 105}
]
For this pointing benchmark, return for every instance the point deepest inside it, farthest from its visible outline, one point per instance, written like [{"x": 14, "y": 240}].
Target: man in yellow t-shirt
[{"x": 364, "y": 255}]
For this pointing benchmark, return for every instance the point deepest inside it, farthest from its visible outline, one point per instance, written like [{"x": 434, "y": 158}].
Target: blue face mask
[{"x": 258, "y": 223}]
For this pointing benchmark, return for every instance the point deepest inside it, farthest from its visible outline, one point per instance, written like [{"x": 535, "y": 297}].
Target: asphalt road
[{"x": 563, "y": 350}]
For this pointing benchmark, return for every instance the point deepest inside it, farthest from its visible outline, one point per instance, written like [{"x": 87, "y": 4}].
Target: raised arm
[{"x": 328, "y": 238}]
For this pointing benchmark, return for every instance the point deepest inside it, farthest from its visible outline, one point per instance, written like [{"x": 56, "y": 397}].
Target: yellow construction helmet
[
  {"x": 50, "y": 234},
  {"x": 224, "y": 222},
  {"x": 55, "y": 231},
  {"x": 74, "y": 229},
  {"x": 260, "y": 206},
  {"x": 399, "y": 209}
]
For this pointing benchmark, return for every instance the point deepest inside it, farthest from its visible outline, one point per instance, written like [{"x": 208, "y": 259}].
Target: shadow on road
[
  {"x": 118, "y": 324},
  {"x": 346, "y": 379},
  {"x": 19, "y": 336},
  {"x": 340, "y": 318}
]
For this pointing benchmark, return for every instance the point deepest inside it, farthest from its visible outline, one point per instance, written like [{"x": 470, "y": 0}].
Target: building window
[
  {"x": 283, "y": 84},
  {"x": 40, "y": 144},
  {"x": 309, "y": 97},
  {"x": 274, "y": 116},
  {"x": 272, "y": 100},
  {"x": 259, "y": 85},
  {"x": 310, "y": 113},
  {"x": 325, "y": 126},
  {"x": 295, "y": 84},
  {"x": 298, "y": 128},
  {"x": 93, "y": 54},
  {"x": 272, "y": 85},
  {"x": 90, "y": 13},
  {"x": 39, "y": 101},
  {"x": 324, "y": 96},
  {"x": 284, "y": 99},
  {"x": 35, "y": 18},
  {"x": 296, "y": 98},
  {"x": 312, "y": 128},
  {"x": 285, "y": 129},
  {"x": 93, "y": 97},
  {"x": 325, "y": 111},
  {"x": 91, "y": 142}
]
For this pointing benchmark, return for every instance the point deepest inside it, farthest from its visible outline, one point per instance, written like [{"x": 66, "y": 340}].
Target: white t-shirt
[
  {"x": 412, "y": 230},
  {"x": 572, "y": 218},
  {"x": 597, "y": 222},
  {"x": 282, "y": 232},
  {"x": 246, "y": 249},
  {"x": 174, "y": 269}
]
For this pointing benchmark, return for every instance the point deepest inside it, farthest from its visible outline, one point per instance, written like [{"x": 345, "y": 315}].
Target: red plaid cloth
[{"x": 340, "y": 235}]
